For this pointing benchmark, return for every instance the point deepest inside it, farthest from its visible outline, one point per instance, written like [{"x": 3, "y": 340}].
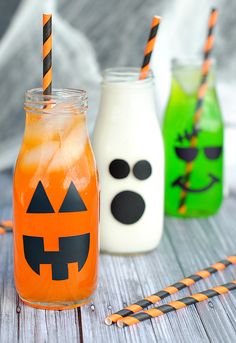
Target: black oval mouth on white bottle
[{"x": 127, "y": 207}]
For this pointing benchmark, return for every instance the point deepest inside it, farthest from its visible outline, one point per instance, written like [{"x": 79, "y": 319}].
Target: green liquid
[{"x": 205, "y": 187}]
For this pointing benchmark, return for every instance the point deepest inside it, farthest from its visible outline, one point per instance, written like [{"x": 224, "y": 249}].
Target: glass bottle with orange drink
[{"x": 55, "y": 203}]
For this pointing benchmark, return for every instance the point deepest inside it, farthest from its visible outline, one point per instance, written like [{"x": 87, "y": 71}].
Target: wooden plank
[
  {"x": 6, "y": 189},
  {"x": 199, "y": 243},
  {"x": 8, "y": 314},
  {"x": 116, "y": 273},
  {"x": 182, "y": 326},
  {"x": 124, "y": 280},
  {"x": 48, "y": 326}
]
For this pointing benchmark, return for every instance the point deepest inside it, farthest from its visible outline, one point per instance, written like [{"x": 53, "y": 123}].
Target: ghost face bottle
[
  {"x": 55, "y": 203},
  {"x": 199, "y": 192},
  {"x": 129, "y": 152}
]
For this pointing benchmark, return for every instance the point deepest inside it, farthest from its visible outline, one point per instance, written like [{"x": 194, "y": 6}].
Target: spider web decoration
[{"x": 74, "y": 66}]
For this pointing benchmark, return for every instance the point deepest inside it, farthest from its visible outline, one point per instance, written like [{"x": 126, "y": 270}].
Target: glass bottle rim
[
  {"x": 189, "y": 62},
  {"x": 36, "y": 101},
  {"x": 123, "y": 76}
]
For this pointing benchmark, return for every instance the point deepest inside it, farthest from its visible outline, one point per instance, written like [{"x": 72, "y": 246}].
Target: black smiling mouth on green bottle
[
  {"x": 181, "y": 182},
  {"x": 189, "y": 154}
]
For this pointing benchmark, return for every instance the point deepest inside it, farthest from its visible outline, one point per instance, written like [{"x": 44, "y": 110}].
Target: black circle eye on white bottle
[{"x": 129, "y": 153}]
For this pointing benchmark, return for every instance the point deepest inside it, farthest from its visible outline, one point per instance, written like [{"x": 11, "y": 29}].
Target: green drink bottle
[{"x": 201, "y": 193}]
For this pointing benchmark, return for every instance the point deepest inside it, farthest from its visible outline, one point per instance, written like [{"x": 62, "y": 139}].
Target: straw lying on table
[
  {"x": 47, "y": 53},
  {"x": 164, "y": 293},
  {"x": 5, "y": 226},
  {"x": 149, "y": 47},
  {"x": 206, "y": 66},
  {"x": 176, "y": 305}
]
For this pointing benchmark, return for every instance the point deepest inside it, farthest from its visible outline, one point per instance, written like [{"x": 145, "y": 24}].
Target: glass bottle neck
[
  {"x": 125, "y": 78},
  {"x": 51, "y": 118},
  {"x": 60, "y": 102},
  {"x": 187, "y": 75}
]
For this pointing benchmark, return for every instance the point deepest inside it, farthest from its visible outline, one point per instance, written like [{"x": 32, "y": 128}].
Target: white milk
[{"x": 127, "y": 129}]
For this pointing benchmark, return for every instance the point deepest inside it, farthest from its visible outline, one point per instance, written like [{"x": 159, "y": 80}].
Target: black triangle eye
[
  {"x": 73, "y": 201},
  {"x": 40, "y": 202}
]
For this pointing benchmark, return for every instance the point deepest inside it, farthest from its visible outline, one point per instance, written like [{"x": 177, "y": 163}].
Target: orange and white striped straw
[
  {"x": 149, "y": 47},
  {"x": 47, "y": 53},
  {"x": 206, "y": 66}
]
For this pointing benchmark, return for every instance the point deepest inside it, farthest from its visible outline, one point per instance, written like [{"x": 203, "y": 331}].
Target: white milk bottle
[{"x": 129, "y": 153}]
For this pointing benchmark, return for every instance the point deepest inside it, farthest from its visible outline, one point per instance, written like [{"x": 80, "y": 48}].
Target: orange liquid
[{"x": 55, "y": 151}]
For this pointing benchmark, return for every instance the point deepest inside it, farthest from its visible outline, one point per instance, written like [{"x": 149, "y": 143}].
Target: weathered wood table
[{"x": 187, "y": 245}]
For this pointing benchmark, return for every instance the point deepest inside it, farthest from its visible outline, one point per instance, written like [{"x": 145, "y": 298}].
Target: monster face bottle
[
  {"x": 193, "y": 146},
  {"x": 193, "y": 135}
]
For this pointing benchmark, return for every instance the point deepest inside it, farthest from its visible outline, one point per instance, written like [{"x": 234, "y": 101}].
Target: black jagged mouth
[
  {"x": 72, "y": 249},
  {"x": 181, "y": 182}
]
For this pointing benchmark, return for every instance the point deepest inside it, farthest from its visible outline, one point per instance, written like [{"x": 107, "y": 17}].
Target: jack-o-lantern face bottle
[{"x": 56, "y": 203}]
